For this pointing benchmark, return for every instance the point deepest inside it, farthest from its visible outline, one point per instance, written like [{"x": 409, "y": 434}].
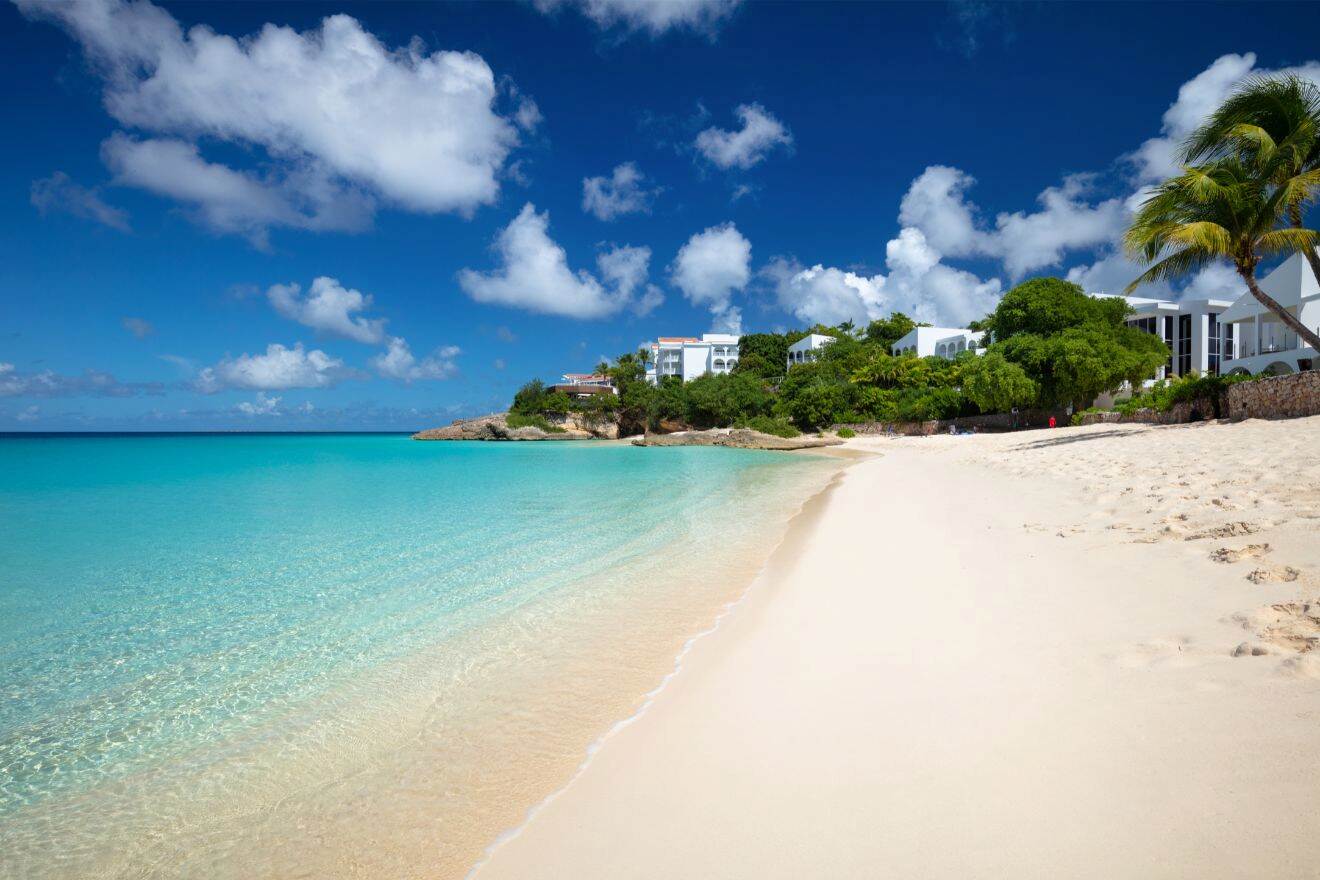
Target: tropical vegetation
[{"x": 1050, "y": 345}]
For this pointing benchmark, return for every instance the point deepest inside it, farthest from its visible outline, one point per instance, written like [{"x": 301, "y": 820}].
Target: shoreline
[
  {"x": 1048, "y": 688},
  {"x": 798, "y": 529},
  {"x": 419, "y": 760}
]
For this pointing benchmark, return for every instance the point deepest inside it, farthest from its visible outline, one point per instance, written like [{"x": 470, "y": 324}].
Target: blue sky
[{"x": 522, "y": 188}]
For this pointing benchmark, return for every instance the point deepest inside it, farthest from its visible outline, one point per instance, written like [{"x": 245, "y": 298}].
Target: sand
[{"x": 1079, "y": 653}]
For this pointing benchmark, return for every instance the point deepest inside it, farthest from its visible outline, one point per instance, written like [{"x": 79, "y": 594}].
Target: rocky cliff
[{"x": 495, "y": 427}]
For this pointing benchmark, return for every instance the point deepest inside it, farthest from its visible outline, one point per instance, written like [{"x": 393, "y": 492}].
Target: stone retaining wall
[
  {"x": 1032, "y": 418},
  {"x": 1178, "y": 414},
  {"x": 1272, "y": 397},
  {"x": 1277, "y": 397}
]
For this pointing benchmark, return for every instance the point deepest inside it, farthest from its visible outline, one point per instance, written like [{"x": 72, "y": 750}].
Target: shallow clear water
[{"x": 204, "y": 639}]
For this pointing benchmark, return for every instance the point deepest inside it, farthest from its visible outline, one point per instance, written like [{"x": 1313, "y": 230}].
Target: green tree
[
  {"x": 1043, "y": 306},
  {"x": 1224, "y": 210},
  {"x": 763, "y": 354},
  {"x": 628, "y": 373},
  {"x": 718, "y": 400},
  {"x": 1273, "y": 124},
  {"x": 884, "y": 370},
  {"x": 668, "y": 402},
  {"x": 1074, "y": 347},
  {"x": 556, "y": 402},
  {"x": 528, "y": 399},
  {"x": 814, "y": 394},
  {"x": 996, "y": 384},
  {"x": 886, "y": 331}
]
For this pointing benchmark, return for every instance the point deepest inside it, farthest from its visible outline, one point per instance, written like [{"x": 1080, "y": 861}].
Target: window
[
  {"x": 1168, "y": 340},
  {"x": 1212, "y": 341},
  {"x": 1184, "y": 344}
]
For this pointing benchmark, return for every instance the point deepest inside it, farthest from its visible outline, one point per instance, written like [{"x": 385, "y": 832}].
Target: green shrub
[
  {"x": 534, "y": 420},
  {"x": 847, "y": 433},
  {"x": 768, "y": 425}
]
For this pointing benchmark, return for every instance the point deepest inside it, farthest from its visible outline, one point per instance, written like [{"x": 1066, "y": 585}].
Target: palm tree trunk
[
  {"x": 1295, "y": 217},
  {"x": 1269, "y": 302}
]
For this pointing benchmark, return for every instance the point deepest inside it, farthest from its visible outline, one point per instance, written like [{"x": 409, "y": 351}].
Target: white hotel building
[
  {"x": 688, "y": 357},
  {"x": 1212, "y": 336},
  {"x": 804, "y": 350},
  {"x": 945, "y": 342},
  {"x": 1191, "y": 328},
  {"x": 1255, "y": 340}
]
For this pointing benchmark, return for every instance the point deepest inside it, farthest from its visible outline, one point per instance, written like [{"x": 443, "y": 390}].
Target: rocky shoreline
[
  {"x": 496, "y": 427},
  {"x": 736, "y": 438}
]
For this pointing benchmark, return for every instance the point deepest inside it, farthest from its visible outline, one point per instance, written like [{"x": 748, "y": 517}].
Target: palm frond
[
  {"x": 1288, "y": 240},
  {"x": 1175, "y": 265},
  {"x": 1202, "y": 235}
]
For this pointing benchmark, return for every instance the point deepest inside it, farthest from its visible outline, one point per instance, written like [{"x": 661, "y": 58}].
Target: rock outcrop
[
  {"x": 739, "y": 438},
  {"x": 495, "y": 427}
]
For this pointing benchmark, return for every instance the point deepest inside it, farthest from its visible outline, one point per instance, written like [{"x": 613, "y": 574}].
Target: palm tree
[
  {"x": 1274, "y": 124},
  {"x": 1223, "y": 210}
]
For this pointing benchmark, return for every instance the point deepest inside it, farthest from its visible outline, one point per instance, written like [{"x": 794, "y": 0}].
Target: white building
[
  {"x": 1255, "y": 341},
  {"x": 945, "y": 342},
  {"x": 1191, "y": 328},
  {"x": 804, "y": 350},
  {"x": 585, "y": 385},
  {"x": 688, "y": 357},
  {"x": 587, "y": 379}
]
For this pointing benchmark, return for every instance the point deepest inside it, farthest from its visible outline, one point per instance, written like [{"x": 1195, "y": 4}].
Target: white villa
[
  {"x": 1212, "y": 336},
  {"x": 945, "y": 342},
  {"x": 585, "y": 385},
  {"x": 1255, "y": 341},
  {"x": 688, "y": 357},
  {"x": 587, "y": 379},
  {"x": 1191, "y": 328},
  {"x": 804, "y": 350}
]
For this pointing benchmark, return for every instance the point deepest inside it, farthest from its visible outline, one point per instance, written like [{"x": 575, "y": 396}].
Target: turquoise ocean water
[{"x": 211, "y": 646}]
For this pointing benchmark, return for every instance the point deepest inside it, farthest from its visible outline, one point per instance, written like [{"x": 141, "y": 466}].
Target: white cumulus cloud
[
  {"x": 261, "y": 405},
  {"x": 534, "y": 274},
  {"x": 918, "y": 284},
  {"x": 936, "y": 203},
  {"x": 710, "y": 268},
  {"x": 279, "y": 368},
  {"x": 760, "y": 133},
  {"x": 623, "y": 192},
  {"x": 398, "y": 362},
  {"x": 338, "y": 116},
  {"x": 330, "y": 308}
]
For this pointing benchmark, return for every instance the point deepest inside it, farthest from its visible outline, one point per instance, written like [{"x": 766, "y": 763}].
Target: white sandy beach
[{"x": 992, "y": 656}]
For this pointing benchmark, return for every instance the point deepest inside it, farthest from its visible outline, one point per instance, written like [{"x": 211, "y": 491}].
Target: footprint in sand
[
  {"x": 1227, "y": 530},
  {"x": 1293, "y": 626},
  {"x": 1274, "y": 574},
  {"x": 1305, "y": 666},
  {"x": 1229, "y": 554}
]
